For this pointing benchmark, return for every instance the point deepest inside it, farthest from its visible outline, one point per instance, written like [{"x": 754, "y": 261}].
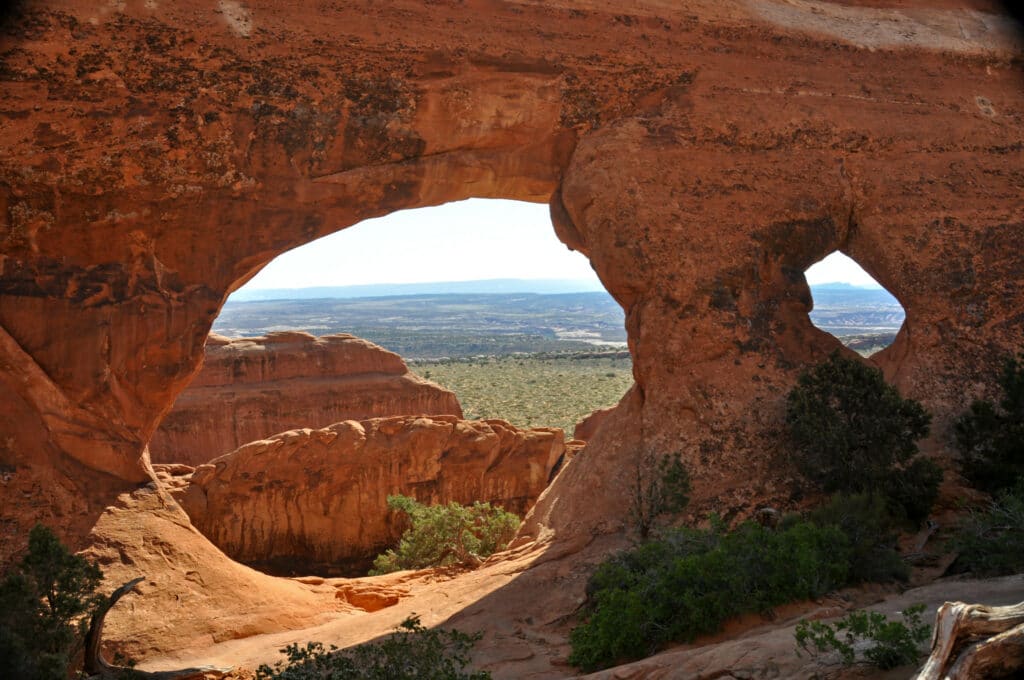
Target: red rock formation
[
  {"x": 315, "y": 501},
  {"x": 586, "y": 428},
  {"x": 157, "y": 156},
  {"x": 251, "y": 388},
  {"x": 701, "y": 154},
  {"x": 187, "y": 579}
]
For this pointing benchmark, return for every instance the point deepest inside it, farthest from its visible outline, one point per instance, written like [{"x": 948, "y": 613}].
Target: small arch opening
[{"x": 852, "y": 306}]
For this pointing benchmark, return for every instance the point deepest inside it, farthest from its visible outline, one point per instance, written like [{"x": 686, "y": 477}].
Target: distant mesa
[{"x": 252, "y": 388}]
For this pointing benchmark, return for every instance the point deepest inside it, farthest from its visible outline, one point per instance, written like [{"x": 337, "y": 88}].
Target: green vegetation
[
  {"x": 854, "y": 433},
  {"x": 991, "y": 543},
  {"x": 413, "y": 652},
  {"x": 991, "y": 442},
  {"x": 991, "y": 438},
  {"x": 444, "y": 535},
  {"x": 894, "y": 643},
  {"x": 544, "y": 390},
  {"x": 871, "y": 537},
  {"x": 661, "y": 487},
  {"x": 689, "y": 582},
  {"x": 45, "y": 604}
]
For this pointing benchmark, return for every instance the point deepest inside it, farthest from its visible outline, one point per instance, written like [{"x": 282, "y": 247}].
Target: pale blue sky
[{"x": 463, "y": 241}]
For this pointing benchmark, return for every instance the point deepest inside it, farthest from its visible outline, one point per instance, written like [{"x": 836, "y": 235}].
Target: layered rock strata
[
  {"x": 315, "y": 501},
  {"x": 252, "y": 388}
]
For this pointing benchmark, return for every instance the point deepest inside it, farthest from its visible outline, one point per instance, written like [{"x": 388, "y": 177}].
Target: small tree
[
  {"x": 854, "y": 433},
  {"x": 443, "y": 535},
  {"x": 991, "y": 438},
  {"x": 661, "y": 486},
  {"x": 45, "y": 602}
]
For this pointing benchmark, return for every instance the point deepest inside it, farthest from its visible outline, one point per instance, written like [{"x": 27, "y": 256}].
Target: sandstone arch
[{"x": 701, "y": 164}]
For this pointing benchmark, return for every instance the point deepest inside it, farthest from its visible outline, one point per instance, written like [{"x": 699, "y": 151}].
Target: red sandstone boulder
[
  {"x": 251, "y": 388},
  {"x": 316, "y": 500}
]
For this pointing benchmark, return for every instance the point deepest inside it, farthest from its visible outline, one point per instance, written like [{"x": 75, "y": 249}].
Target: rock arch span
[{"x": 702, "y": 164}]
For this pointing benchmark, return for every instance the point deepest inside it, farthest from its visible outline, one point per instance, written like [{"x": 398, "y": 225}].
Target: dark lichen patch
[
  {"x": 593, "y": 99},
  {"x": 800, "y": 243}
]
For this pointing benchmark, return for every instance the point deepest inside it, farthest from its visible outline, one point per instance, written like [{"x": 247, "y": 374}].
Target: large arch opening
[
  {"x": 479, "y": 284},
  {"x": 445, "y": 321},
  {"x": 852, "y": 306}
]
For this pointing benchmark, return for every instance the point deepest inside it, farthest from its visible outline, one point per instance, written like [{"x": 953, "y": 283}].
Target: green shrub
[
  {"x": 865, "y": 521},
  {"x": 691, "y": 581},
  {"x": 991, "y": 543},
  {"x": 991, "y": 438},
  {"x": 895, "y": 643},
  {"x": 661, "y": 487},
  {"x": 45, "y": 603},
  {"x": 854, "y": 433},
  {"x": 411, "y": 653},
  {"x": 443, "y": 535}
]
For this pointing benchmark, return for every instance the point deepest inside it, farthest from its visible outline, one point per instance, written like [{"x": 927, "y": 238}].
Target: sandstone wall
[
  {"x": 701, "y": 154},
  {"x": 315, "y": 501},
  {"x": 252, "y": 388}
]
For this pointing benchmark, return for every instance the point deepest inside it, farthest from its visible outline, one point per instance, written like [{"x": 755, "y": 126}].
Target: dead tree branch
[
  {"x": 974, "y": 641},
  {"x": 97, "y": 668}
]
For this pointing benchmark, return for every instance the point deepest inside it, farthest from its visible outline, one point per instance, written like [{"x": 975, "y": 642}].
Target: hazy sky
[{"x": 463, "y": 241}]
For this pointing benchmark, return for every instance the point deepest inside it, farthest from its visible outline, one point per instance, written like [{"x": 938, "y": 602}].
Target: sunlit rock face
[
  {"x": 251, "y": 388},
  {"x": 315, "y": 501},
  {"x": 702, "y": 154}
]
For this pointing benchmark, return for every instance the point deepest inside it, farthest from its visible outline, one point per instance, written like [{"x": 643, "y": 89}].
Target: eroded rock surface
[
  {"x": 701, "y": 154},
  {"x": 193, "y": 595},
  {"x": 315, "y": 501},
  {"x": 158, "y": 154},
  {"x": 252, "y": 388}
]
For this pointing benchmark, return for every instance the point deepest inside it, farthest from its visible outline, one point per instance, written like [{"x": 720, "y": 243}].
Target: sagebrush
[{"x": 445, "y": 535}]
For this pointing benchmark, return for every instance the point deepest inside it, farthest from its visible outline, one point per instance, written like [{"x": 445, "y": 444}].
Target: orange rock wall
[
  {"x": 251, "y": 388},
  {"x": 702, "y": 154},
  {"x": 315, "y": 501}
]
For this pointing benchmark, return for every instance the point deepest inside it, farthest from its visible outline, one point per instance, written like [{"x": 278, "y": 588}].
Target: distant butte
[{"x": 252, "y": 388}]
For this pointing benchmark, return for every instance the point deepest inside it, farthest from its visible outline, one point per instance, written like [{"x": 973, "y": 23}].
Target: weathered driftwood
[
  {"x": 973, "y": 641},
  {"x": 96, "y": 667}
]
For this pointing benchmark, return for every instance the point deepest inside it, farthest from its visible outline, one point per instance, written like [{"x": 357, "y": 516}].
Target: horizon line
[{"x": 588, "y": 282}]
